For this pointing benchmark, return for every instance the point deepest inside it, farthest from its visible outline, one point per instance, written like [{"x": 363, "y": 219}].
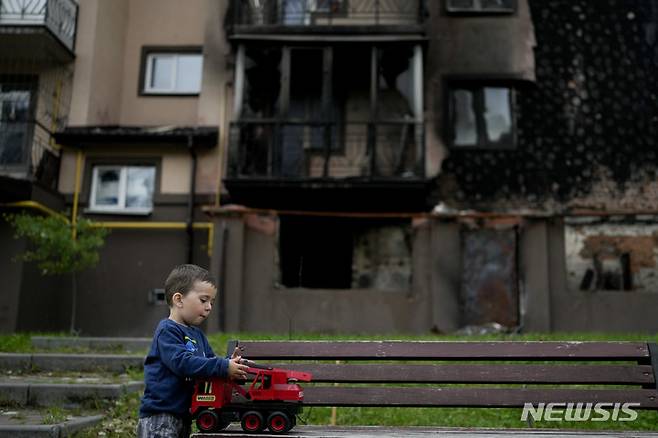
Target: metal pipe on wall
[{"x": 190, "y": 203}]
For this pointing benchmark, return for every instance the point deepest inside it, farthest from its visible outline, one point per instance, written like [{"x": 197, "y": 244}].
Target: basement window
[
  {"x": 122, "y": 189},
  {"x": 481, "y": 116},
  {"x": 342, "y": 253},
  {"x": 481, "y": 6}
]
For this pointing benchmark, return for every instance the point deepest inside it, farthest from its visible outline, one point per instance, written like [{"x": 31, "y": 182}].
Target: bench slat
[
  {"x": 464, "y": 397},
  {"x": 463, "y": 373},
  {"x": 504, "y": 350}
]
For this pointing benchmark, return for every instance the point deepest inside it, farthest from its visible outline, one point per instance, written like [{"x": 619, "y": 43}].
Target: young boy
[{"x": 180, "y": 353}]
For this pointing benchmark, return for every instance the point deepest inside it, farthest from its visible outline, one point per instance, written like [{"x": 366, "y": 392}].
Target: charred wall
[{"x": 586, "y": 128}]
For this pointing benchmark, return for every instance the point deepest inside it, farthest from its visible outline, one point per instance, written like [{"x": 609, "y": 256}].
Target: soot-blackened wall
[{"x": 586, "y": 128}]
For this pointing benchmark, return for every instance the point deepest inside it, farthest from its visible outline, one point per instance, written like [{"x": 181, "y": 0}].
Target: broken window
[
  {"x": 396, "y": 94},
  {"x": 16, "y": 120},
  {"x": 344, "y": 110},
  {"x": 481, "y": 116},
  {"x": 262, "y": 82},
  {"x": 341, "y": 253},
  {"x": 602, "y": 255},
  {"x": 315, "y": 252}
]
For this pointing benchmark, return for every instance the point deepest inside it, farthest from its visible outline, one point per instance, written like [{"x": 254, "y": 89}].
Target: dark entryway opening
[{"x": 316, "y": 252}]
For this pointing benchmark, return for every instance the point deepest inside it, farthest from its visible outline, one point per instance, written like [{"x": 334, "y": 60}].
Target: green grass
[{"x": 16, "y": 343}]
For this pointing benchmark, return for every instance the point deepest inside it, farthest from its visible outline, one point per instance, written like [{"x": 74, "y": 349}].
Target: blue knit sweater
[{"x": 178, "y": 355}]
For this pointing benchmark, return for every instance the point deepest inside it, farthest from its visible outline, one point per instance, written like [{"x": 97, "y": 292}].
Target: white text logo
[{"x": 580, "y": 411}]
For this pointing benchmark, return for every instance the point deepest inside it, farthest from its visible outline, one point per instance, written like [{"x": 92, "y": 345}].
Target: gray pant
[{"x": 163, "y": 426}]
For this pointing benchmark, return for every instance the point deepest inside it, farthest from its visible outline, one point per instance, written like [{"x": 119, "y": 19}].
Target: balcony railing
[
  {"x": 27, "y": 152},
  {"x": 327, "y": 12},
  {"x": 59, "y": 16},
  {"x": 320, "y": 150}
]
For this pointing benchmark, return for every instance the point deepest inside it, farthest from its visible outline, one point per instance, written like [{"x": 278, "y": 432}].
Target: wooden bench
[{"x": 466, "y": 374}]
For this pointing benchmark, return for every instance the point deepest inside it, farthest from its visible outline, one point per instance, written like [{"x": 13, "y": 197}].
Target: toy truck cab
[{"x": 272, "y": 400}]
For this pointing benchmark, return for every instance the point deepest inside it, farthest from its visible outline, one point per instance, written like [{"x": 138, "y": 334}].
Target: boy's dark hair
[{"x": 182, "y": 278}]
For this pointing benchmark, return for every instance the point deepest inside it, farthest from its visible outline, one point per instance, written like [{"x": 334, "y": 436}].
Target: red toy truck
[{"x": 272, "y": 400}]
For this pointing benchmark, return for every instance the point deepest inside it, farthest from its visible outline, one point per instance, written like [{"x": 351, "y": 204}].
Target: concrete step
[
  {"x": 26, "y": 392},
  {"x": 92, "y": 343},
  {"x": 28, "y": 424},
  {"x": 117, "y": 363}
]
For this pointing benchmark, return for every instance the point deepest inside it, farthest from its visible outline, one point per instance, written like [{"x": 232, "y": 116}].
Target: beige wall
[
  {"x": 159, "y": 23},
  {"x": 111, "y": 34},
  {"x": 99, "y": 62}
]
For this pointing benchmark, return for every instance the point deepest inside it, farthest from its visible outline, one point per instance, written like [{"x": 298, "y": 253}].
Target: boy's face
[{"x": 193, "y": 308}]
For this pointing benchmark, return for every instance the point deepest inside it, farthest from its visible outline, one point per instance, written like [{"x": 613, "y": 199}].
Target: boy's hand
[{"x": 237, "y": 371}]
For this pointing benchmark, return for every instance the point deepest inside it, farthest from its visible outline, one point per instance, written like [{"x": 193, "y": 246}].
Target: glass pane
[
  {"x": 14, "y": 128},
  {"x": 497, "y": 114},
  {"x": 14, "y": 106},
  {"x": 161, "y": 72},
  {"x": 188, "y": 75},
  {"x": 139, "y": 187},
  {"x": 464, "y": 128},
  {"x": 295, "y": 12},
  {"x": 107, "y": 187}
]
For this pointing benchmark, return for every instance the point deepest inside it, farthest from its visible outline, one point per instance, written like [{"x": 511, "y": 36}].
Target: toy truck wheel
[
  {"x": 209, "y": 421},
  {"x": 279, "y": 422},
  {"x": 252, "y": 421}
]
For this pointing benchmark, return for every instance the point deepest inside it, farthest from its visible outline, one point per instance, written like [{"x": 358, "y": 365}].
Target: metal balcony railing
[
  {"x": 321, "y": 150},
  {"x": 59, "y": 16},
  {"x": 26, "y": 151},
  {"x": 327, "y": 12}
]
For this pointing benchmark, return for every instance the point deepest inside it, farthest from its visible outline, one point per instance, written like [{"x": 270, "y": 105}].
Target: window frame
[
  {"x": 477, "y": 10},
  {"x": 148, "y": 52},
  {"x": 452, "y": 83},
  {"x": 120, "y": 208}
]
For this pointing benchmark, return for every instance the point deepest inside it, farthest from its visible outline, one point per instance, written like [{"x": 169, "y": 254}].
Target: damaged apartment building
[{"x": 362, "y": 165}]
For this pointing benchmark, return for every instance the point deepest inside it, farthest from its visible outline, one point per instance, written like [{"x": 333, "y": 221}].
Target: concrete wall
[
  {"x": 114, "y": 297},
  {"x": 253, "y": 300},
  {"x": 11, "y": 272},
  {"x": 607, "y": 311}
]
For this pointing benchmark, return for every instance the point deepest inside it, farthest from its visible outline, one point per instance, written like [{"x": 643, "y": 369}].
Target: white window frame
[
  {"x": 123, "y": 186},
  {"x": 175, "y": 56}
]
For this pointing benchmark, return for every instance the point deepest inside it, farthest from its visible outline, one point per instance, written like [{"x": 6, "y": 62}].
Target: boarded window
[{"x": 489, "y": 291}]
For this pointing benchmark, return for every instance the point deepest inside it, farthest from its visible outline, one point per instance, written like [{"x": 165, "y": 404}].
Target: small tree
[{"x": 57, "y": 249}]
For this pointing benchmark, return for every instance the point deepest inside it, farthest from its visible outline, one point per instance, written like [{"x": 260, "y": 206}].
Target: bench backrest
[{"x": 477, "y": 374}]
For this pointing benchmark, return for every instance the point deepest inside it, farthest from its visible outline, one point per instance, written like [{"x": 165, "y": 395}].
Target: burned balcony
[
  {"x": 31, "y": 25},
  {"x": 327, "y": 165},
  {"x": 320, "y": 150},
  {"x": 28, "y": 153},
  {"x": 264, "y": 16}
]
